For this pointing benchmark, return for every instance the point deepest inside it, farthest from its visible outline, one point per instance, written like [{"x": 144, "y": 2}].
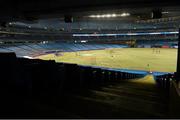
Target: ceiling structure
[
  {"x": 31, "y": 10},
  {"x": 90, "y": 15}
]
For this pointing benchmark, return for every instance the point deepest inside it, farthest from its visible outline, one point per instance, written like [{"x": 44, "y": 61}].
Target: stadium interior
[{"x": 90, "y": 59}]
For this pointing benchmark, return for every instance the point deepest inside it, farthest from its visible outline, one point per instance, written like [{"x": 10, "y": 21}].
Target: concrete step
[
  {"x": 99, "y": 108},
  {"x": 149, "y": 96},
  {"x": 128, "y": 101}
]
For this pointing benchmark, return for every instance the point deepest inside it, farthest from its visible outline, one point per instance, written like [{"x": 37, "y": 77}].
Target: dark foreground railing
[
  {"x": 163, "y": 81},
  {"x": 34, "y": 77},
  {"x": 171, "y": 87}
]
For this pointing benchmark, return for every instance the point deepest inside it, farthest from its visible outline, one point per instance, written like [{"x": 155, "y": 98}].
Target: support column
[{"x": 178, "y": 59}]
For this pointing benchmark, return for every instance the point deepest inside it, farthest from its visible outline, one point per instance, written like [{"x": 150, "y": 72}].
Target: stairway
[{"x": 137, "y": 98}]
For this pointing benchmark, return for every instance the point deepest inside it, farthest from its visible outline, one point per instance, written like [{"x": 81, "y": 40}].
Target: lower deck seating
[
  {"x": 30, "y": 87},
  {"x": 36, "y": 49}
]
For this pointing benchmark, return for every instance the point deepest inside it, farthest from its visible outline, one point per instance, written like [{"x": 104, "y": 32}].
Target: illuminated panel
[
  {"x": 28, "y": 57},
  {"x": 125, "y": 34},
  {"x": 110, "y": 15}
]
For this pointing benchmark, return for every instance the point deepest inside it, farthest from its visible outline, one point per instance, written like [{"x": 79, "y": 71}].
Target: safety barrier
[
  {"x": 163, "y": 81},
  {"x": 34, "y": 77}
]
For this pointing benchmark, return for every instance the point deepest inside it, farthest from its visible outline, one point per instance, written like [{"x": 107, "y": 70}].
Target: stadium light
[
  {"x": 110, "y": 15},
  {"x": 83, "y": 41},
  {"x": 92, "y": 16},
  {"x": 165, "y": 12},
  {"x": 44, "y": 42},
  {"x": 103, "y": 16},
  {"x": 98, "y": 16},
  {"x": 114, "y": 15},
  {"x": 125, "y": 14},
  {"x": 126, "y": 34},
  {"x": 10, "y": 23},
  {"x": 28, "y": 57}
]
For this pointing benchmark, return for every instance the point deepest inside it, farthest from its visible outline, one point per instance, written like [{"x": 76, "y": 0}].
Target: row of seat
[
  {"x": 163, "y": 81},
  {"x": 34, "y": 76},
  {"x": 89, "y": 77},
  {"x": 33, "y": 49},
  {"x": 33, "y": 79},
  {"x": 70, "y": 77}
]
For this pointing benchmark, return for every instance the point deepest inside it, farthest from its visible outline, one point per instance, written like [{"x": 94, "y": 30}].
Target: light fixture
[
  {"x": 92, "y": 16},
  {"x": 114, "y": 15},
  {"x": 28, "y": 57},
  {"x": 83, "y": 41},
  {"x": 98, "y": 16},
  {"x": 165, "y": 12},
  {"x": 103, "y": 16},
  {"x": 125, "y": 14},
  {"x": 110, "y": 15}
]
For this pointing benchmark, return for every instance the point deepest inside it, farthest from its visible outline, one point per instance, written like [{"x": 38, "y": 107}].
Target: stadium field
[{"x": 149, "y": 59}]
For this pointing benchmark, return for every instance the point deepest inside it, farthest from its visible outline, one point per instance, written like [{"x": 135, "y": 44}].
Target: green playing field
[{"x": 161, "y": 59}]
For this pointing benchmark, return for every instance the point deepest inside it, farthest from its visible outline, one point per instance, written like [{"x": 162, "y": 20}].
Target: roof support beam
[{"x": 178, "y": 60}]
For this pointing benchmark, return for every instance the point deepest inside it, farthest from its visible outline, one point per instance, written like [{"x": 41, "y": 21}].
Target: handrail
[{"x": 177, "y": 87}]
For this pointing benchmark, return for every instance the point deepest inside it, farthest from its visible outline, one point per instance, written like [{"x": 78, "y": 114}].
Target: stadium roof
[
  {"x": 32, "y": 9},
  {"x": 127, "y": 14}
]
